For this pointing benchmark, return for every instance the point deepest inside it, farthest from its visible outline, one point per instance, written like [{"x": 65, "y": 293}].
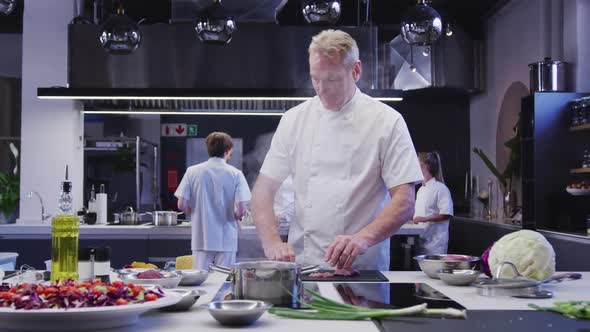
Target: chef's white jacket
[
  {"x": 212, "y": 189},
  {"x": 434, "y": 198},
  {"x": 342, "y": 165}
]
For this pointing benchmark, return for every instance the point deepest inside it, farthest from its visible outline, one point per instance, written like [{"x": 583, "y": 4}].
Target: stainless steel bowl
[
  {"x": 237, "y": 312},
  {"x": 429, "y": 264},
  {"x": 170, "y": 280},
  {"x": 189, "y": 297},
  {"x": 192, "y": 277},
  {"x": 458, "y": 277}
]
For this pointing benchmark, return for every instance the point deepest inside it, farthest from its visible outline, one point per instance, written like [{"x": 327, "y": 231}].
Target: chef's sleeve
[
  {"x": 399, "y": 161},
  {"x": 444, "y": 201},
  {"x": 242, "y": 190},
  {"x": 277, "y": 163},
  {"x": 183, "y": 191}
]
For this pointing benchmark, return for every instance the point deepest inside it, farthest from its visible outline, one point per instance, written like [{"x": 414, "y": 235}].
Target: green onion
[
  {"x": 572, "y": 309},
  {"x": 326, "y": 309}
]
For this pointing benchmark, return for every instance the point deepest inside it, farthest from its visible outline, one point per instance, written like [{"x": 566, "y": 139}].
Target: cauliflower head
[{"x": 532, "y": 254}]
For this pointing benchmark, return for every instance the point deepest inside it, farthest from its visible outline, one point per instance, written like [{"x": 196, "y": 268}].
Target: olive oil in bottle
[{"x": 65, "y": 229}]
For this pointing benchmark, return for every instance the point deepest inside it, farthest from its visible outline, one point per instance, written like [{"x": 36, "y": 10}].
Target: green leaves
[
  {"x": 572, "y": 309},
  {"x": 9, "y": 192}
]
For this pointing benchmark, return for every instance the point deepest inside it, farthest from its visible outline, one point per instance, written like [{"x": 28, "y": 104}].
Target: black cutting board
[
  {"x": 488, "y": 320},
  {"x": 364, "y": 276}
]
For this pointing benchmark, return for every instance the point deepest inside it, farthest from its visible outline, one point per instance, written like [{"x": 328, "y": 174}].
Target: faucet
[{"x": 44, "y": 216}]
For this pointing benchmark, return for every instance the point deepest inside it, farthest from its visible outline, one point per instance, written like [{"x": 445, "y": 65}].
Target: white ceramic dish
[
  {"x": 81, "y": 319},
  {"x": 578, "y": 192}
]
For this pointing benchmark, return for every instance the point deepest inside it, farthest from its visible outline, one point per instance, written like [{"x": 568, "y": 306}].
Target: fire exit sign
[{"x": 191, "y": 130}]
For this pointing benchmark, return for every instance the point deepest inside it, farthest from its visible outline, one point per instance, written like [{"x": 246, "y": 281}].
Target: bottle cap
[{"x": 101, "y": 254}]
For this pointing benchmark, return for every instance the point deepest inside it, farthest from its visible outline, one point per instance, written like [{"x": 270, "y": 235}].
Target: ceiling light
[
  {"x": 120, "y": 34},
  {"x": 321, "y": 11},
  {"x": 421, "y": 25},
  {"x": 215, "y": 30},
  {"x": 7, "y": 6},
  {"x": 448, "y": 30}
]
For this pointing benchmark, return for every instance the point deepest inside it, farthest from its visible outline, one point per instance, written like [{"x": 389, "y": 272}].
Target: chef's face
[
  {"x": 424, "y": 169},
  {"x": 333, "y": 81}
]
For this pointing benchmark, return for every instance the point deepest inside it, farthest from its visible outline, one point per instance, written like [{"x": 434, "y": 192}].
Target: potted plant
[{"x": 9, "y": 191}]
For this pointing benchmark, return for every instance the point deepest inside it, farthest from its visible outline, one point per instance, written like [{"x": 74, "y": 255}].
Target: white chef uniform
[
  {"x": 212, "y": 189},
  {"x": 284, "y": 204},
  {"x": 342, "y": 164},
  {"x": 434, "y": 198}
]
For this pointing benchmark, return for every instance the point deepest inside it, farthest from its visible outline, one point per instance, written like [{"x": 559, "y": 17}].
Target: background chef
[{"x": 345, "y": 151}]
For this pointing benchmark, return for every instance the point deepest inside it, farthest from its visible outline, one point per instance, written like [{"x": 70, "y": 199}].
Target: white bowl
[
  {"x": 578, "y": 192},
  {"x": 170, "y": 280}
]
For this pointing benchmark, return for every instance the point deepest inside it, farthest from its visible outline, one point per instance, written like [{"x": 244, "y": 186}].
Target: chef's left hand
[{"x": 344, "y": 250}]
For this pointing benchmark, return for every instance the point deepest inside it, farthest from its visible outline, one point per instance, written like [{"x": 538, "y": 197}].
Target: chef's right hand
[{"x": 280, "y": 251}]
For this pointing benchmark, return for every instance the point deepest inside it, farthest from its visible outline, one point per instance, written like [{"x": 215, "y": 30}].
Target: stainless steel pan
[
  {"x": 519, "y": 286},
  {"x": 165, "y": 218},
  {"x": 278, "y": 283}
]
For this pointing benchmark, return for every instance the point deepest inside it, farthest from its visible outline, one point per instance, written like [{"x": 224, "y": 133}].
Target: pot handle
[
  {"x": 149, "y": 213},
  {"x": 310, "y": 269},
  {"x": 220, "y": 268},
  {"x": 563, "y": 276}
]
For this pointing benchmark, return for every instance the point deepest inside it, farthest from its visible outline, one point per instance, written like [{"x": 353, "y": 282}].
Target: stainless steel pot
[
  {"x": 278, "y": 283},
  {"x": 165, "y": 218},
  {"x": 547, "y": 75},
  {"x": 129, "y": 217}
]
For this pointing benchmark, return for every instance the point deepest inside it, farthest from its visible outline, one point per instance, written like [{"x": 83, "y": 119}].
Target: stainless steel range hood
[{"x": 264, "y": 62}]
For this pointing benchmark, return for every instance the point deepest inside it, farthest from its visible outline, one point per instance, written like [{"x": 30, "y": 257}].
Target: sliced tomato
[
  {"x": 7, "y": 296},
  {"x": 96, "y": 292},
  {"x": 50, "y": 290},
  {"x": 118, "y": 284},
  {"x": 131, "y": 285},
  {"x": 121, "y": 302},
  {"x": 86, "y": 285},
  {"x": 151, "y": 297}
]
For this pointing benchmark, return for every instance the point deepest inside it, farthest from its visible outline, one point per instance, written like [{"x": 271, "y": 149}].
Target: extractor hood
[{"x": 265, "y": 65}]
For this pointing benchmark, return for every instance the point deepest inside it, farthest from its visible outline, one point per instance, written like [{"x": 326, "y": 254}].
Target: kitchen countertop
[
  {"x": 198, "y": 319},
  {"x": 149, "y": 231}
]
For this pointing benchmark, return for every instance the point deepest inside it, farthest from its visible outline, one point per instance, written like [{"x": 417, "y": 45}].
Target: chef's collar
[
  {"x": 344, "y": 109},
  {"x": 429, "y": 181},
  {"x": 217, "y": 159}
]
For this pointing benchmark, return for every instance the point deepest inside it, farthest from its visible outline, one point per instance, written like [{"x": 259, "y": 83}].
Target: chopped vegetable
[
  {"x": 326, "y": 309},
  {"x": 572, "y": 309},
  {"x": 70, "y": 294}
]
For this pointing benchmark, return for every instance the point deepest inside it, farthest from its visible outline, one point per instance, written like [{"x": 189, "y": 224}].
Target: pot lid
[{"x": 547, "y": 62}]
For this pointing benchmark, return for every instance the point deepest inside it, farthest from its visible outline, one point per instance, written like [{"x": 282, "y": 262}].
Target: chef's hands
[
  {"x": 418, "y": 220},
  {"x": 345, "y": 250},
  {"x": 279, "y": 251}
]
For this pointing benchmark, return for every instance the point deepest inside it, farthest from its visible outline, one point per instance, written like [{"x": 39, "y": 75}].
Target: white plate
[
  {"x": 81, "y": 319},
  {"x": 578, "y": 192}
]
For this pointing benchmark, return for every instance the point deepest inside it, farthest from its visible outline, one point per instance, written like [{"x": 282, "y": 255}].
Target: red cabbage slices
[{"x": 70, "y": 294}]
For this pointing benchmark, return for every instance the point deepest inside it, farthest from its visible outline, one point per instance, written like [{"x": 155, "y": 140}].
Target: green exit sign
[{"x": 191, "y": 130}]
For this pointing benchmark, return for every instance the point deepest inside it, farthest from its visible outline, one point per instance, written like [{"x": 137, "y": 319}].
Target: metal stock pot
[
  {"x": 278, "y": 283},
  {"x": 165, "y": 218}
]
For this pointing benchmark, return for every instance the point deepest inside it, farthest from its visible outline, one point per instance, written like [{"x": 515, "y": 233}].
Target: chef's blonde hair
[
  {"x": 433, "y": 164},
  {"x": 333, "y": 43}
]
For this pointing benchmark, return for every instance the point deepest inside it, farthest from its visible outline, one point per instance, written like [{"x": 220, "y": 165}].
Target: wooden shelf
[
  {"x": 582, "y": 127},
  {"x": 580, "y": 170}
]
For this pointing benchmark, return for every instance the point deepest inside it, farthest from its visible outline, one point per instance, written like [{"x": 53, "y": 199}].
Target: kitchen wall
[
  {"x": 523, "y": 32},
  {"x": 51, "y": 130}
]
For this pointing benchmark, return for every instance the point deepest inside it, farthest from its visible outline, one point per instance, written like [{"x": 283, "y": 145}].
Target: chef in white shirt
[
  {"x": 215, "y": 195},
  {"x": 434, "y": 206},
  {"x": 345, "y": 151}
]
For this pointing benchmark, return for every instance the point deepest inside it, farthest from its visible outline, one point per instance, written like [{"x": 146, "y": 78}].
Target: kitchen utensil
[
  {"x": 237, "y": 312},
  {"x": 277, "y": 283},
  {"x": 518, "y": 286},
  {"x": 547, "y": 75},
  {"x": 189, "y": 297},
  {"x": 129, "y": 217},
  {"x": 192, "y": 277},
  {"x": 170, "y": 280},
  {"x": 458, "y": 277},
  {"x": 165, "y": 218},
  {"x": 429, "y": 264}
]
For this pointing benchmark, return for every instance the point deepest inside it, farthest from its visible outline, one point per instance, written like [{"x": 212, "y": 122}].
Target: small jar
[{"x": 94, "y": 263}]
